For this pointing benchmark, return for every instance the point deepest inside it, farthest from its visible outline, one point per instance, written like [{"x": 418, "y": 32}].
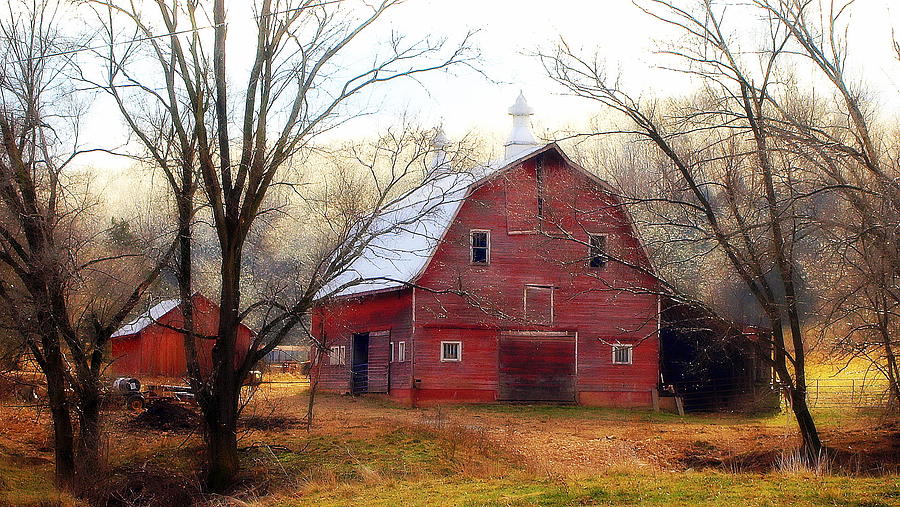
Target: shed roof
[
  {"x": 149, "y": 317},
  {"x": 413, "y": 227}
]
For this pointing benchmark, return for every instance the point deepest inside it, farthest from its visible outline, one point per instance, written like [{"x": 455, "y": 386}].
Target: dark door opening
[{"x": 359, "y": 371}]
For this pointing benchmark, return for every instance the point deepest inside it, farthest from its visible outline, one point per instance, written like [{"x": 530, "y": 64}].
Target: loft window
[
  {"x": 596, "y": 250},
  {"x": 622, "y": 354},
  {"x": 481, "y": 246},
  {"x": 539, "y": 304},
  {"x": 451, "y": 351},
  {"x": 392, "y": 352},
  {"x": 401, "y": 352}
]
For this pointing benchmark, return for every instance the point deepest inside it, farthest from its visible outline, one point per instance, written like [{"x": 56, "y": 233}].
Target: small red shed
[
  {"x": 151, "y": 344},
  {"x": 527, "y": 282}
]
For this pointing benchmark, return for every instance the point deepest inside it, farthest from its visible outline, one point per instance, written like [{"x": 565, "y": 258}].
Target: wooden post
[
  {"x": 654, "y": 395},
  {"x": 679, "y": 404}
]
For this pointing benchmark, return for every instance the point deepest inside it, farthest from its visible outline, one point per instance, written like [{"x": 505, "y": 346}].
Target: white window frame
[
  {"x": 343, "y": 355},
  {"x": 401, "y": 352},
  {"x": 603, "y": 254},
  {"x": 392, "y": 352},
  {"x": 627, "y": 346},
  {"x": 458, "y": 358},
  {"x": 334, "y": 356},
  {"x": 552, "y": 297},
  {"x": 487, "y": 257}
]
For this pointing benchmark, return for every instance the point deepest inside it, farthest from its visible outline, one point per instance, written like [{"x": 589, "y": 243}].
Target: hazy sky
[{"x": 511, "y": 29}]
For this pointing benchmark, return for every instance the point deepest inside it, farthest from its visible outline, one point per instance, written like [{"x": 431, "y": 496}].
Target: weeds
[{"x": 796, "y": 462}]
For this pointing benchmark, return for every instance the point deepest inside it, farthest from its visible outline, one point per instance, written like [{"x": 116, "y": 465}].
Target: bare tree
[
  {"x": 65, "y": 291},
  {"x": 859, "y": 156},
  {"x": 730, "y": 184},
  {"x": 297, "y": 85}
]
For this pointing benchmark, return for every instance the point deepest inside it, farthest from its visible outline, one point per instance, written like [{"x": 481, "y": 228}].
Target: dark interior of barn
[{"x": 711, "y": 363}]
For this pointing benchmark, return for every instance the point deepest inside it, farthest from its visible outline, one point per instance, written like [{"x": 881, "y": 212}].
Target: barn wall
[
  {"x": 601, "y": 305},
  {"x": 337, "y": 322},
  {"x": 158, "y": 351}
]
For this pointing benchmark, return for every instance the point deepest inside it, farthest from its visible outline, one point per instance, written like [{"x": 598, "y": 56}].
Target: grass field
[{"x": 366, "y": 451}]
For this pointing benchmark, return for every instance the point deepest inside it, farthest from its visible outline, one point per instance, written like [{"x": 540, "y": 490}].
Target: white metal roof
[
  {"x": 147, "y": 318},
  {"x": 406, "y": 235}
]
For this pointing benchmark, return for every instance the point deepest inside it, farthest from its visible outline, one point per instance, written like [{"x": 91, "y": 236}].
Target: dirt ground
[
  {"x": 552, "y": 441},
  {"x": 571, "y": 441}
]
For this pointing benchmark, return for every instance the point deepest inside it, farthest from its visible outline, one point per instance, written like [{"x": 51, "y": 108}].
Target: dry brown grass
[{"x": 379, "y": 444}]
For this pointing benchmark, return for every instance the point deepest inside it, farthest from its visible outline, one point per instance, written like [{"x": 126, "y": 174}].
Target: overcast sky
[{"x": 512, "y": 29}]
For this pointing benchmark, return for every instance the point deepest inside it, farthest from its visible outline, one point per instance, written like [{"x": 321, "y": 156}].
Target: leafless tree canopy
[{"x": 759, "y": 172}]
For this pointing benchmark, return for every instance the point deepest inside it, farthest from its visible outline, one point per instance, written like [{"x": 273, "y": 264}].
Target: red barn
[
  {"x": 526, "y": 283},
  {"x": 151, "y": 345}
]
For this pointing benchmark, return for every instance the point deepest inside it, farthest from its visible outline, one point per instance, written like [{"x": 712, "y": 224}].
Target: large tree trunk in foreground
[
  {"x": 221, "y": 422},
  {"x": 90, "y": 453},
  {"x": 222, "y": 406},
  {"x": 63, "y": 433}
]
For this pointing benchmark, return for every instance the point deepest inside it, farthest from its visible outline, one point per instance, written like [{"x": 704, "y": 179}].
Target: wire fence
[
  {"x": 851, "y": 393},
  {"x": 710, "y": 396}
]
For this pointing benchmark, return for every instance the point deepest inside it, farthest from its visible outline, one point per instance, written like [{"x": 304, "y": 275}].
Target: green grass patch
[
  {"x": 630, "y": 489},
  {"x": 27, "y": 480}
]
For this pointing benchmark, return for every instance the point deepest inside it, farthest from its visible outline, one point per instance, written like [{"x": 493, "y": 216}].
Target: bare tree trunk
[
  {"x": 63, "y": 432},
  {"x": 90, "y": 454},
  {"x": 310, "y": 406},
  {"x": 221, "y": 421},
  {"x": 222, "y": 415}
]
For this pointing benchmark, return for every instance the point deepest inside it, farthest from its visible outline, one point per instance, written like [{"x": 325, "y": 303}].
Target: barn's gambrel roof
[{"x": 417, "y": 225}]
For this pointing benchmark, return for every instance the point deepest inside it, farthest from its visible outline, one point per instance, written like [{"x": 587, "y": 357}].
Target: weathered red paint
[
  {"x": 158, "y": 351},
  {"x": 591, "y": 307}
]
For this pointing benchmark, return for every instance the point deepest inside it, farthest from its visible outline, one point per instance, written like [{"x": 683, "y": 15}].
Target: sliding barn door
[
  {"x": 537, "y": 366},
  {"x": 379, "y": 361}
]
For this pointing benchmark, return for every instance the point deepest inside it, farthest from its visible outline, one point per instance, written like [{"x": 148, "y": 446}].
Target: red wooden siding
[
  {"x": 537, "y": 367},
  {"x": 530, "y": 246},
  {"x": 389, "y": 313},
  {"x": 159, "y": 351},
  {"x": 601, "y": 304}
]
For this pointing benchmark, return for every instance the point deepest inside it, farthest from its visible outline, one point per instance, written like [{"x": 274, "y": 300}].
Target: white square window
[
  {"x": 451, "y": 351},
  {"x": 621, "y": 354},
  {"x": 401, "y": 351}
]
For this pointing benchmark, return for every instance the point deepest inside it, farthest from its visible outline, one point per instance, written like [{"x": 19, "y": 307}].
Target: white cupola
[
  {"x": 521, "y": 137},
  {"x": 440, "y": 143}
]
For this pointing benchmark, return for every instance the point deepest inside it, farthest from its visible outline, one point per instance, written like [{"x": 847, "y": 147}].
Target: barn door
[
  {"x": 379, "y": 361},
  {"x": 537, "y": 367}
]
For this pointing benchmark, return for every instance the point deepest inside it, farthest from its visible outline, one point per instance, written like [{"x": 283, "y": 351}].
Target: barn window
[
  {"x": 401, "y": 352},
  {"x": 481, "y": 246},
  {"x": 597, "y": 250},
  {"x": 539, "y": 304},
  {"x": 392, "y": 352},
  {"x": 621, "y": 354},
  {"x": 334, "y": 357},
  {"x": 343, "y": 355},
  {"x": 451, "y": 351}
]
